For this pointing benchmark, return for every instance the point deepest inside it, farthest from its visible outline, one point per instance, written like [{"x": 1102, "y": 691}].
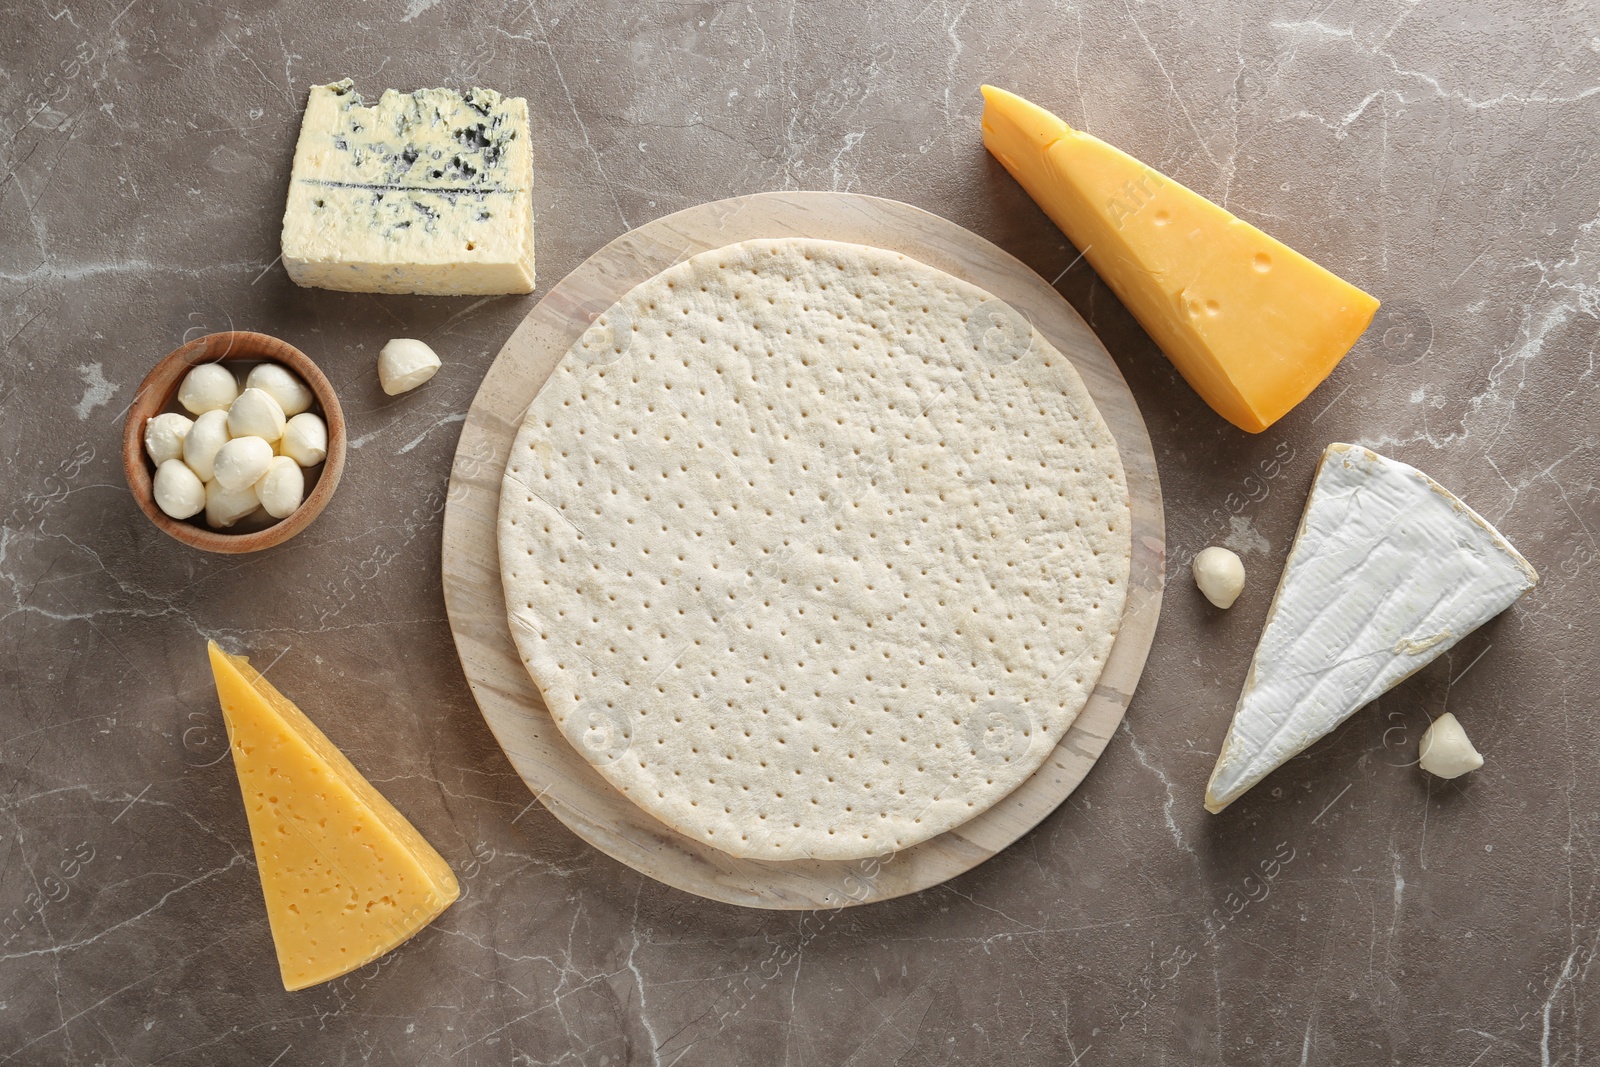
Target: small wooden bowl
[{"x": 156, "y": 394}]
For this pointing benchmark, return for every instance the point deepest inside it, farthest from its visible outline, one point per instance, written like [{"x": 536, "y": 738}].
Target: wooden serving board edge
[{"x": 561, "y": 778}]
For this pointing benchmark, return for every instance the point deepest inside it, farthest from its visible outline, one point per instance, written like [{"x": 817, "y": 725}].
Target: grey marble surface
[{"x": 1439, "y": 154}]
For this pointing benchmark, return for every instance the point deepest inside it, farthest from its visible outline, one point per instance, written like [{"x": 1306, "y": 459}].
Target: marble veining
[{"x": 1350, "y": 909}]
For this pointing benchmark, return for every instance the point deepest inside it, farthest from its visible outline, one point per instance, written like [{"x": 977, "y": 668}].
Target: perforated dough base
[{"x": 807, "y": 555}]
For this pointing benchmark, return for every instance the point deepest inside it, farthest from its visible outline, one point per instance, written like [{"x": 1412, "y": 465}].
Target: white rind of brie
[{"x": 1388, "y": 571}]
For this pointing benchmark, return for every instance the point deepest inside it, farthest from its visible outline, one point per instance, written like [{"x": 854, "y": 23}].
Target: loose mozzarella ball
[
  {"x": 164, "y": 434},
  {"x": 1220, "y": 575},
  {"x": 241, "y": 462},
  {"x": 277, "y": 382},
  {"x": 224, "y": 506},
  {"x": 405, "y": 364},
  {"x": 208, "y": 434},
  {"x": 282, "y": 488},
  {"x": 305, "y": 440},
  {"x": 256, "y": 414},
  {"x": 178, "y": 491},
  {"x": 207, "y": 387}
]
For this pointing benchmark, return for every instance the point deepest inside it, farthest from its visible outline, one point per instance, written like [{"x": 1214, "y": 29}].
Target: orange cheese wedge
[
  {"x": 1250, "y": 323},
  {"x": 345, "y": 876}
]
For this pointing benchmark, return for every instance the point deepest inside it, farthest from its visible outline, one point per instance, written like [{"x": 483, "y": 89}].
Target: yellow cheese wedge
[
  {"x": 345, "y": 876},
  {"x": 1252, "y": 324}
]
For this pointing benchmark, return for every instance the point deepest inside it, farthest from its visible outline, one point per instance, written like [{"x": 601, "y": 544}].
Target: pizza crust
[{"x": 813, "y": 550}]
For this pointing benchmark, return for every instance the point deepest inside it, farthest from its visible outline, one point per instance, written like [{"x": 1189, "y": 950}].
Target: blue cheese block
[{"x": 428, "y": 192}]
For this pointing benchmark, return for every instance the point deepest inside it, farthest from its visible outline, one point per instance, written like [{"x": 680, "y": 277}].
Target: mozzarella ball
[
  {"x": 280, "y": 384},
  {"x": 305, "y": 440},
  {"x": 282, "y": 488},
  {"x": 164, "y": 434},
  {"x": 1446, "y": 751},
  {"x": 405, "y": 364},
  {"x": 208, "y": 434},
  {"x": 241, "y": 462},
  {"x": 224, "y": 506},
  {"x": 178, "y": 491},
  {"x": 1220, "y": 576},
  {"x": 256, "y": 414},
  {"x": 206, "y": 388}
]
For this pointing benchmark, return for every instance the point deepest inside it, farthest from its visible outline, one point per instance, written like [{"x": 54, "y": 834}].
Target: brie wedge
[{"x": 1387, "y": 571}]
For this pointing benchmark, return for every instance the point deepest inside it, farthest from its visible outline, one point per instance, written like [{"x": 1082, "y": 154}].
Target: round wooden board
[{"x": 561, "y": 778}]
